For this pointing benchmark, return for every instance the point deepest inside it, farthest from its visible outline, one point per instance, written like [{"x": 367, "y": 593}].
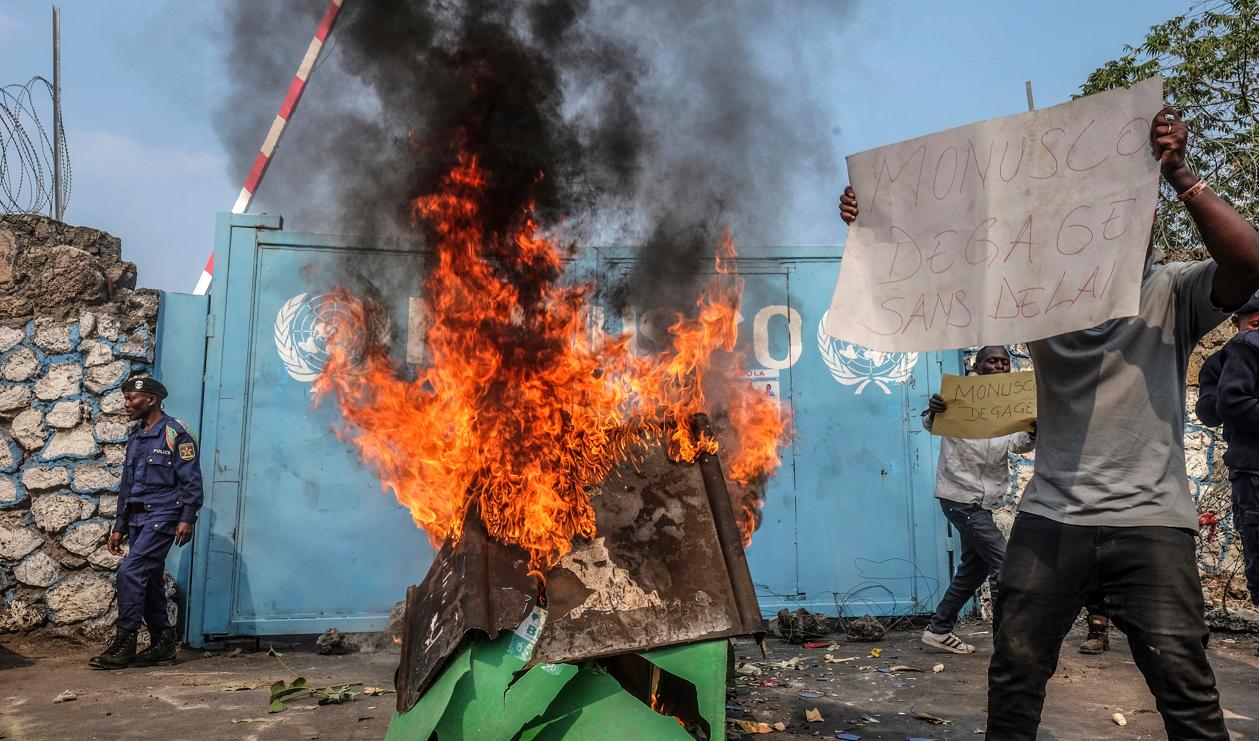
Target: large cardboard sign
[
  {"x": 984, "y": 407},
  {"x": 1008, "y": 230}
]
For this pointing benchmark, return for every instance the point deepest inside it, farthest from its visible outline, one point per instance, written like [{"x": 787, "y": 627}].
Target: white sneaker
[{"x": 947, "y": 642}]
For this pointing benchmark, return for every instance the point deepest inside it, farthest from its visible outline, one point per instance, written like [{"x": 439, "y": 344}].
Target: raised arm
[{"x": 1227, "y": 235}]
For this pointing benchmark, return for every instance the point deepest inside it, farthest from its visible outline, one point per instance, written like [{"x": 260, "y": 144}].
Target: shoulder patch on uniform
[
  {"x": 171, "y": 436},
  {"x": 184, "y": 428},
  {"x": 187, "y": 451}
]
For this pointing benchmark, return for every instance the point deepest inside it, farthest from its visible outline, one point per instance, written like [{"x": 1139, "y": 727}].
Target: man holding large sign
[{"x": 1108, "y": 507}]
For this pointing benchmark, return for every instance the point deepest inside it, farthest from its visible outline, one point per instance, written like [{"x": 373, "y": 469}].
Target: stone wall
[{"x": 72, "y": 328}]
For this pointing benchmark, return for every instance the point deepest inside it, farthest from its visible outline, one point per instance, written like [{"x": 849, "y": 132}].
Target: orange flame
[{"x": 524, "y": 409}]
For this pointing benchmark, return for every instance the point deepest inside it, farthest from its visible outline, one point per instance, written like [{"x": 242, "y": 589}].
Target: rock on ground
[
  {"x": 333, "y": 643},
  {"x": 865, "y": 628}
]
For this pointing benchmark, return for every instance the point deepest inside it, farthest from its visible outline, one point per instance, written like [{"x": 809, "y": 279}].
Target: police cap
[{"x": 146, "y": 385}]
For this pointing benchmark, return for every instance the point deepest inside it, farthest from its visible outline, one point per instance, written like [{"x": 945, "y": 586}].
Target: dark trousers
[
  {"x": 983, "y": 550},
  {"x": 1149, "y": 577},
  {"x": 140, "y": 583},
  {"x": 1246, "y": 522}
]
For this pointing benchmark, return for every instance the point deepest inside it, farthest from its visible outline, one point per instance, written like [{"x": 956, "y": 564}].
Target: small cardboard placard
[{"x": 984, "y": 407}]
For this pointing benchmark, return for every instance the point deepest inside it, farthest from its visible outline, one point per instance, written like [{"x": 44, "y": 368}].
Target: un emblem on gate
[
  {"x": 854, "y": 365},
  {"x": 305, "y": 322}
]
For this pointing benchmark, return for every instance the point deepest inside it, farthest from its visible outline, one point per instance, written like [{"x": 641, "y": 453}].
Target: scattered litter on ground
[
  {"x": 66, "y": 696},
  {"x": 865, "y": 628},
  {"x": 242, "y": 687},
  {"x": 832, "y": 660},
  {"x": 938, "y": 668},
  {"x": 752, "y": 726},
  {"x": 847, "y": 736},
  {"x": 333, "y": 643},
  {"x": 769, "y": 683},
  {"x": 252, "y": 720},
  {"x": 817, "y": 644},
  {"x": 870, "y": 719},
  {"x": 1119, "y": 719},
  {"x": 747, "y": 670},
  {"x": 810, "y": 694},
  {"x": 934, "y": 720},
  {"x": 792, "y": 663},
  {"x": 375, "y": 691},
  {"x": 812, "y": 715},
  {"x": 904, "y": 668},
  {"x": 874, "y": 653}
]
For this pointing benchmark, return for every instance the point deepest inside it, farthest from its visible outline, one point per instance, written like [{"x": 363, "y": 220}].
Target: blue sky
[{"x": 141, "y": 80}]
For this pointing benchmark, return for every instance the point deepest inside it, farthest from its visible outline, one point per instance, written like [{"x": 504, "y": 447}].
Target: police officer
[{"x": 158, "y": 502}]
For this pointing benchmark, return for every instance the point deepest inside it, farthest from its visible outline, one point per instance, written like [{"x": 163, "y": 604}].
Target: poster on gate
[{"x": 1008, "y": 230}]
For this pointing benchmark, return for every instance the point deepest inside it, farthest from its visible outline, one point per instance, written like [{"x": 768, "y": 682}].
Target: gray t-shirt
[{"x": 1111, "y": 404}]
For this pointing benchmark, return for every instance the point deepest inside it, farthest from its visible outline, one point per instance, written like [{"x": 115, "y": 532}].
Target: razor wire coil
[{"x": 27, "y": 154}]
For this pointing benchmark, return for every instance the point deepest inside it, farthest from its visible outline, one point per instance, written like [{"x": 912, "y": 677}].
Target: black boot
[
  {"x": 161, "y": 649},
  {"x": 120, "y": 654},
  {"x": 1098, "y": 640}
]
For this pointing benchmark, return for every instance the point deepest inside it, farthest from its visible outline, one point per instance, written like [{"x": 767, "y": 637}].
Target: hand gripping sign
[
  {"x": 1008, "y": 230},
  {"x": 987, "y": 406}
]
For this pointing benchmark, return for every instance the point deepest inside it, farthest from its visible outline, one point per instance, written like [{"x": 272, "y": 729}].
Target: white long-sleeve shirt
[{"x": 976, "y": 471}]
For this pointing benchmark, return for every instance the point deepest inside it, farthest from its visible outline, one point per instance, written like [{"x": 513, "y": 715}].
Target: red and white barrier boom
[{"x": 263, "y": 160}]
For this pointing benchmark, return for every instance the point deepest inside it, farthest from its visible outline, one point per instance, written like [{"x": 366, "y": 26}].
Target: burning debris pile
[{"x": 558, "y": 470}]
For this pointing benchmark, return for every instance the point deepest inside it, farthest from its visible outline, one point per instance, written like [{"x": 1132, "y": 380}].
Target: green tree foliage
[{"x": 1209, "y": 59}]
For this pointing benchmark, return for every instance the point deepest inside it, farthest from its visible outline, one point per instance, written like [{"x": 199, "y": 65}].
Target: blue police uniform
[{"x": 161, "y": 487}]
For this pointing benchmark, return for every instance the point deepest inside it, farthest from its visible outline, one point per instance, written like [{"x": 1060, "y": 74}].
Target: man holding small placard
[
  {"x": 1108, "y": 507},
  {"x": 971, "y": 478}
]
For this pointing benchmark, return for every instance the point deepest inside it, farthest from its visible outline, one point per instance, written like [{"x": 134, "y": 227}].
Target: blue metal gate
[
  {"x": 296, "y": 536},
  {"x": 851, "y": 524}
]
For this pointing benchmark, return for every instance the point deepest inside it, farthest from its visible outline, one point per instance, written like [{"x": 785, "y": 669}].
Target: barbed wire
[{"x": 27, "y": 152}]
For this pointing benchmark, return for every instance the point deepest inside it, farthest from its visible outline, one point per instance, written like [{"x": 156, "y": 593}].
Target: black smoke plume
[{"x": 653, "y": 125}]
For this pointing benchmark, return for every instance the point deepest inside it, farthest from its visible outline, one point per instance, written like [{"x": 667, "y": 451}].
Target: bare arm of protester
[{"x": 1228, "y": 236}]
